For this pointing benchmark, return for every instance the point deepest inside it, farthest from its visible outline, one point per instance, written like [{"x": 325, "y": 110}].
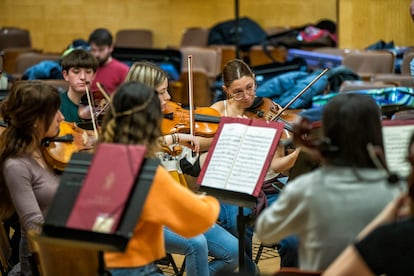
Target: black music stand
[
  {"x": 243, "y": 201},
  {"x": 64, "y": 200}
]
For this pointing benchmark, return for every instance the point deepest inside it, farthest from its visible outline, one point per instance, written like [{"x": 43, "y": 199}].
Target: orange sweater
[{"x": 169, "y": 204}]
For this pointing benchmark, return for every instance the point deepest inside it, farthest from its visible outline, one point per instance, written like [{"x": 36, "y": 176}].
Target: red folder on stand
[{"x": 106, "y": 187}]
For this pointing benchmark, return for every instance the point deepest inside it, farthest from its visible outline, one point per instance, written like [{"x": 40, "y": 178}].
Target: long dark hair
[
  {"x": 351, "y": 121},
  {"x": 27, "y": 104},
  {"x": 135, "y": 117}
]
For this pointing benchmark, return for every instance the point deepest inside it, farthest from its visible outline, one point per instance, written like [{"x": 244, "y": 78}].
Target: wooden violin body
[
  {"x": 57, "y": 151},
  {"x": 177, "y": 120},
  {"x": 266, "y": 109}
]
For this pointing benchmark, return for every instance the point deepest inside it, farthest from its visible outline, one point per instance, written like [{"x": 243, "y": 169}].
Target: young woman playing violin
[
  {"x": 240, "y": 88},
  {"x": 215, "y": 242},
  {"x": 27, "y": 183}
]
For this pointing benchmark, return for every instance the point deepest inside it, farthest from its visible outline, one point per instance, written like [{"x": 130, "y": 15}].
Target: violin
[
  {"x": 177, "y": 120},
  {"x": 58, "y": 150},
  {"x": 100, "y": 106},
  {"x": 266, "y": 109}
]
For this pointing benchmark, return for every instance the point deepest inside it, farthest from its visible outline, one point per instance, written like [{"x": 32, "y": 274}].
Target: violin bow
[
  {"x": 88, "y": 95},
  {"x": 300, "y": 93},
  {"x": 190, "y": 93}
]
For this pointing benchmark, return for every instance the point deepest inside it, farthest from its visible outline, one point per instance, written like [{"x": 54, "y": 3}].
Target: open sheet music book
[
  {"x": 396, "y": 135},
  {"x": 240, "y": 155}
]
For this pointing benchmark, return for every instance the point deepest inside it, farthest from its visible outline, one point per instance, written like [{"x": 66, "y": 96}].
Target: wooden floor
[{"x": 268, "y": 264}]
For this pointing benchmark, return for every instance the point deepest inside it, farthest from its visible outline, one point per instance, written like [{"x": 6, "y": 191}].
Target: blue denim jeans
[
  {"x": 228, "y": 219},
  {"x": 216, "y": 243},
  {"x": 287, "y": 248},
  {"x": 146, "y": 270}
]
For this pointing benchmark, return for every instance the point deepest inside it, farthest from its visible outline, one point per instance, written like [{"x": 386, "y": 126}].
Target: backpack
[{"x": 250, "y": 33}]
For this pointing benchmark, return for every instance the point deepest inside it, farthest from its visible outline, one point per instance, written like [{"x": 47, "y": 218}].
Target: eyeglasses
[{"x": 239, "y": 95}]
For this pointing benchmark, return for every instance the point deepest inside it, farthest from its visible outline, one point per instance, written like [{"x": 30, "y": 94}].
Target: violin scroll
[{"x": 305, "y": 137}]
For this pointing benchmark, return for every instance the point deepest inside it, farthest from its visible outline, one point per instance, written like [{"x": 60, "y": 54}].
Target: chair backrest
[
  {"x": 195, "y": 36},
  {"x": 228, "y": 52},
  {"x": 202, "y": 93},
  {"x": 59, "y": 257},
  {"x": 204, "y": 58},
  {"x": 12, "y": 37},
  {"x": 258, "y": 56},
  {"x": 408, "y": 56},
  {"x": 134, "y": 38},
  {"x": 370, "y": 62},
  {"x": 26, "y": 60},
  {"x": 363, "y": 85},
  {"x": 10, "y": 57}
]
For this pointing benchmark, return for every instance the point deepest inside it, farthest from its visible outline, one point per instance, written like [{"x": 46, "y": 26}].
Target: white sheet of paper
[
  {"x": 239, "y": 157},
  {"x": 396, "y": 139}
]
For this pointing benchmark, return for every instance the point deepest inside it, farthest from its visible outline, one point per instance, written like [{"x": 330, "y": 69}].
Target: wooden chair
[
  {"x": 368, "y": 63},
  {"x": 61, "y": 257},
  {"x": 14, "y": 37},
  {"x": 363, "y": 85},
  {"x": 404, "y": 78},
  {"x": 195, "y": 36},
  {"x": 28, "y": 59},
  {"x": 10, "y": 56},
  {"x": 228, "y": 52},
  {"x": 204, "y": 58},
  {"x": 258, "y": 56},
  {"x": 134, "y": 38},
  {"x": 202, "y": 93}
]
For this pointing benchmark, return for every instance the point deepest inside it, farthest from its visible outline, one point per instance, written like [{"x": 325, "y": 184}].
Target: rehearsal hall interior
[{"x": 227, "y": 75}]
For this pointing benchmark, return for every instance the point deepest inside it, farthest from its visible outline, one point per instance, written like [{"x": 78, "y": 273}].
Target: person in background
[
  {"x": 385, "y": 246},
  {"x": 216, "y": 242},
  {"x": 327, "y": 207},
  {"x": 239, "y": 85},
  {"x": 135, "y": 118},
  {"x": 78, "y": 69},
  {"x": 111, "y": 73},
  {"x": 27, "y": 181}
]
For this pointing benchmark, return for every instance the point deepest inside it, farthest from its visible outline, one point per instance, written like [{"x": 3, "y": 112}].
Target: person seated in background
[
  {"x": 111, "y": 72},
  {"x": 135, "y": 118},
  {"x": 78, "y": 69},
  {"x": 386, "y": 245},
  {"x": 327, "y": 207},
  {"x": 27, "y": 181}
]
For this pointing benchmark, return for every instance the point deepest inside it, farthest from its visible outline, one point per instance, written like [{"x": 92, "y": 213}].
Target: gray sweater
[
  {"x": 326, "y": 209},
  {"x": 32, "y": 189}
]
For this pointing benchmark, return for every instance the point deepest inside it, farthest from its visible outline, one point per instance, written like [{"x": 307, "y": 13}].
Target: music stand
[{"x": 241, "y": 200}]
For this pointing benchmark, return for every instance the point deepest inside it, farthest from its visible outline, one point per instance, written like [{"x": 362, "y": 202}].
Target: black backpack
[{"x": 250, "y": 33}]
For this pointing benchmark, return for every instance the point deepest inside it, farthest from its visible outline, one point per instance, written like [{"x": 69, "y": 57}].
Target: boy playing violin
[{"x": 78, "y": 69}]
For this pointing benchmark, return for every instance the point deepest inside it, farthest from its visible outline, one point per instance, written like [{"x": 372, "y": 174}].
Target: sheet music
[
  {"x": 396, "y": 139},
  {"x": 239, "y": 157}
]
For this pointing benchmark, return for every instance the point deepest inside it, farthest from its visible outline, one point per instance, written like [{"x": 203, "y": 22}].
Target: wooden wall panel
[
  {"x": 54, "y": 24},
  {"x": 364, "y": 22}
]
